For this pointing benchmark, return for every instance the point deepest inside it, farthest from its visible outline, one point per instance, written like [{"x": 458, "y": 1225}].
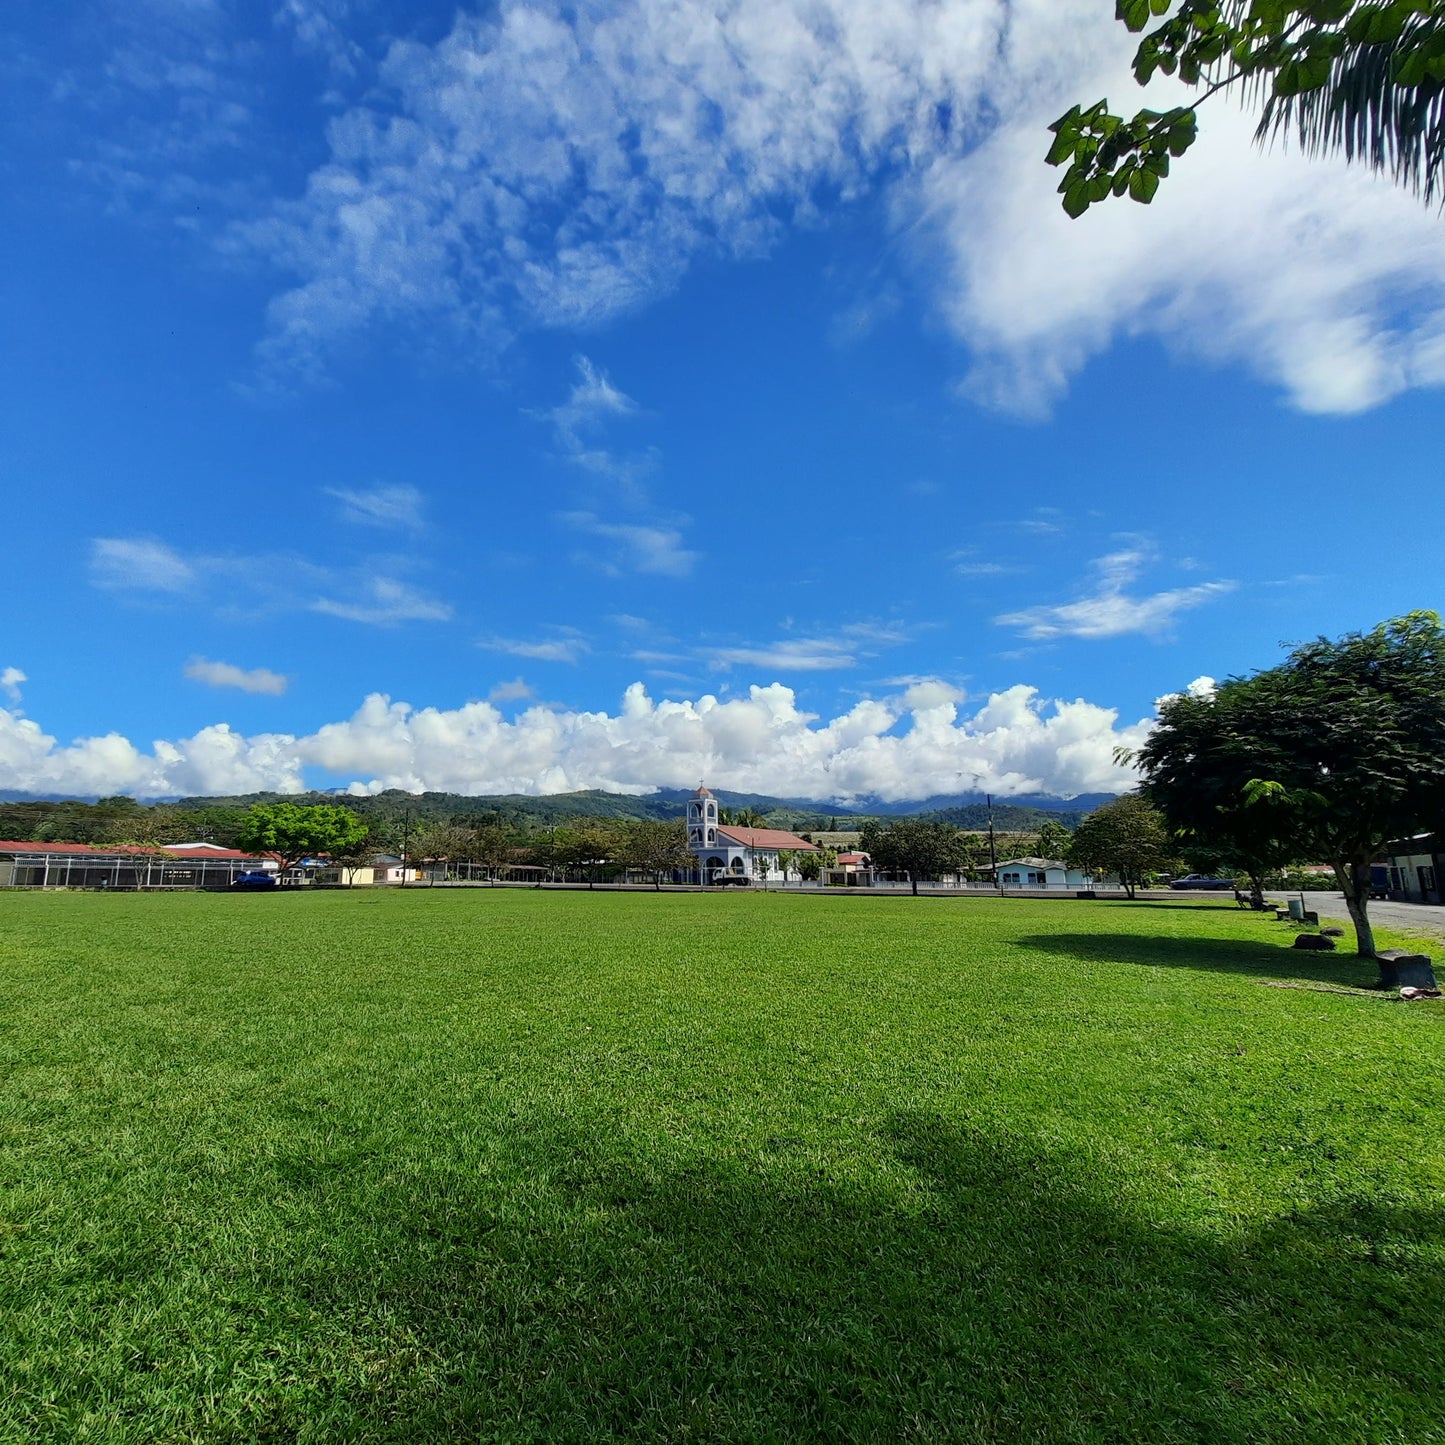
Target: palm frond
[{"x": 1365, "y": 113}]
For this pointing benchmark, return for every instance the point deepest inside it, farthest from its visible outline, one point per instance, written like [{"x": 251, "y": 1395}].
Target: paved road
[{"x": 1424, "y": 918}]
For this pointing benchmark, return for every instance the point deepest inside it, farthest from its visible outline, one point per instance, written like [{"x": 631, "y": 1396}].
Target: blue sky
[{"x": 526, "y": 398}]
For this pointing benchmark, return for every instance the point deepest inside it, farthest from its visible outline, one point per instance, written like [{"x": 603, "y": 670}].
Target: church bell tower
[{"x": 702, "y": 820}]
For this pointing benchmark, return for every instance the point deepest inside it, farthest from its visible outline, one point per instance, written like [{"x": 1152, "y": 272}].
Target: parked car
[
  {"x": 255, "y": 882},
  {"x": 1204, "y": 882}
]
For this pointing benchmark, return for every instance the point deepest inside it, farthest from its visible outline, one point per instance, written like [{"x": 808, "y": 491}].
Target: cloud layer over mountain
[{"x": 916, "y": 743}]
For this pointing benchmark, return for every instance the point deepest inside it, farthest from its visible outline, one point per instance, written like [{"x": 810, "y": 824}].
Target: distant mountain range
[{"x": 965, "y": 810}]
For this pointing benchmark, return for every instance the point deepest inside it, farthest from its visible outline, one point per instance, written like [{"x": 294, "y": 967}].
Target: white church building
[{"x": 725, "y": 850}]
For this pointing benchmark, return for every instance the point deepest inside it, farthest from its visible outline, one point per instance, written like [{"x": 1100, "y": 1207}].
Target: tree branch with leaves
[{"x": 1365, "y": 80}]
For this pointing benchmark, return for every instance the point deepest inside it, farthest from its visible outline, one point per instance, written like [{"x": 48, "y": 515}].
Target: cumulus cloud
[
  {"x": 907, "y": 746},
  {"x": 10, "y": 680},
  {"x": 1204, "y": 686},
  {"x": 226, "y": 674},
  {"x": 514, "y": 691},
  {"x": 398, "y": 507},
  {"x": 214, "y": 760},
  {"x": 554, "y": 165},
  {"x": 138, "y": 564},
  {"x": 1110, "y": 611}
]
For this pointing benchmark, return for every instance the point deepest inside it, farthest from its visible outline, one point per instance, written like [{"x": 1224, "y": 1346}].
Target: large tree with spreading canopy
[
  {"x": 295, "y": 831},
  {"x": 1329, "y": 756}
]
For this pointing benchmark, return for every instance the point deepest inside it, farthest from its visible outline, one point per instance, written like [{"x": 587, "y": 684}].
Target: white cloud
[
  {"x": 542, "y": 165},
  {"x": 399, "y": 507},
  {"x": 985, "y": 569},
  {"x": 214, "y": 760},
  {"x": 515, "y": 691},
  {"x": 139, "y": 564},
  {"x": 655, "y": 550},
  {"x": 384, "y": 601},
  {"x": 1110, "y": 611},
  {"x": 1201, "y": 687},
  {"x": 247, "y": 586},
  {"x": 810, "y": 654},
  {"x": 897, "y": 748},
  {"x": 10, "y": 680},
  {"x": 802, "y": 654},
  {"x": 593, "y": 398},
  {"x": 225, "y": 674},
  {"x": 931, "y": 692},
  {"x": 319, "y": 27},
  {"x": 577, "y": 424},
  {"x": 567, "y": 649},
  {"x": 550, "y": 165}
]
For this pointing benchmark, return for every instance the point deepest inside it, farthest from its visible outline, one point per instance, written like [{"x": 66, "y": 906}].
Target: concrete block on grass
[{"x": 1402, "y": 969}]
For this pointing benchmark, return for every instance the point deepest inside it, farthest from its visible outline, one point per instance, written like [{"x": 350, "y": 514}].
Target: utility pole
[
  {"x": 992, "y": 850},
  {"x": 405, "y": 841}
]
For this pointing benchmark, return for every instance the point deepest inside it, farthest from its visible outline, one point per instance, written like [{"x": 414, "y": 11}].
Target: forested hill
[
  {"x": 523, "y": 810},
  {"x": 123, "y": 819}
]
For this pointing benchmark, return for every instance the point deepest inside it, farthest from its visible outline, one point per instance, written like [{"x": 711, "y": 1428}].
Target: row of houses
[
  {"x": 1411, "y": 870},
  {"x": 725, "y": 850}
]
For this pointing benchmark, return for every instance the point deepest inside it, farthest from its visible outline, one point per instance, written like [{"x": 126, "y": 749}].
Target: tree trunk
[
  {"x": 1354, "y": 881},
  {"x": 913, "y": 879},
  {"x": 1256, "y": 890}
]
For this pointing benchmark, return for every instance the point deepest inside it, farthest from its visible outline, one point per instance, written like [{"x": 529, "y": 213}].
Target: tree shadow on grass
[
  {"x": 972, "y": 1287},
  {"x": 1194, "y": 905},
  {"x": 1263, "y": 959},
  {"x": 945, "y": 1283}
]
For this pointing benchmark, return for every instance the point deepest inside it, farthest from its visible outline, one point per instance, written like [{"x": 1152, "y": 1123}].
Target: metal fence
[{"x": 121, "y": 872}]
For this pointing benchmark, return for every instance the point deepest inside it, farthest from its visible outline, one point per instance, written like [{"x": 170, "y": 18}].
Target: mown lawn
[{"x": 515, "y": 1166}]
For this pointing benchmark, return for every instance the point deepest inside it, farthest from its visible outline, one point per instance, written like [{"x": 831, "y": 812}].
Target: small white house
[
  {"x": 1042, "y": 873},
  {"x": 1413, "y": 872},
  {"x": 379, "y": 869},
  {"x": 727, "y": 849}
]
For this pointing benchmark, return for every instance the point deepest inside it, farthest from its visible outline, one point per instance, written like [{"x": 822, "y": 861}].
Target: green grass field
[{"x": 514, "y": 1166}]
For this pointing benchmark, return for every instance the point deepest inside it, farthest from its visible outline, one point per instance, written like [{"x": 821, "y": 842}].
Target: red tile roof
[
  {"x": 129, "y": 850},
  {"x": 205, "y": 850},
  {"x": 766, "y": 838}
]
